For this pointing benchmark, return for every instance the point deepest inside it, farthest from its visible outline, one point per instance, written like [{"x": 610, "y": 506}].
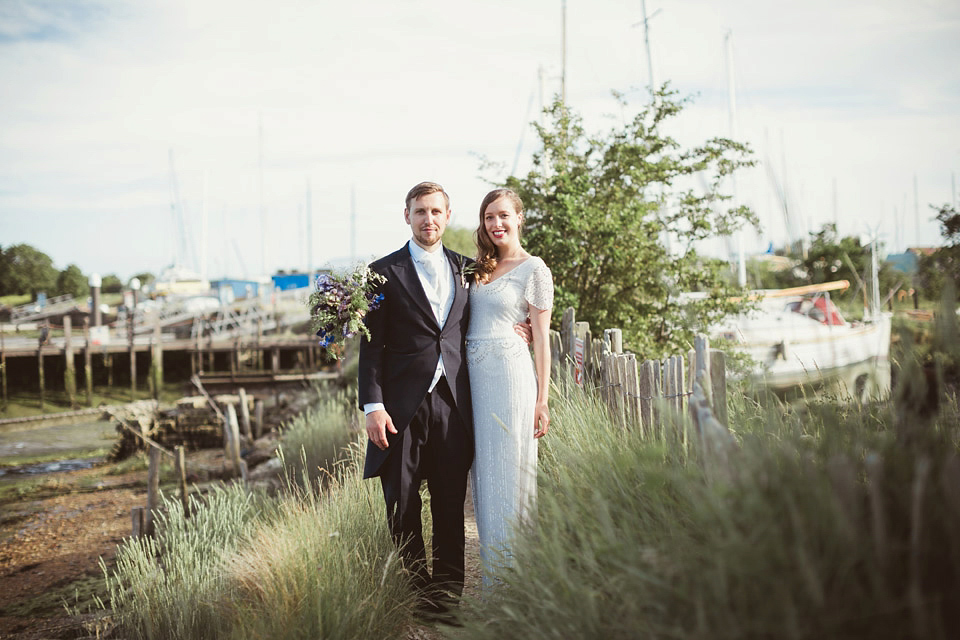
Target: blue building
[
  {"x": 284, "y": 281},
  {"x": 229, "y": 289}
]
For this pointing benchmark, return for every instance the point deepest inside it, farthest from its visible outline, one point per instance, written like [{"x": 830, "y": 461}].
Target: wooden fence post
[
  {"x": 556, "y": 353},
  {"x": 647, "y": 390},
  {"x": 578, "y": 350},
  {"x": 611, "y": 392},
  {"x": 623, "y": 400},
  {"x": 567, "y": 334},
  {"x": 718, "y": 385},
  {"x": 180, "y": 466},
  {"x": 700, "y": 367},
  {"x": 632, "y": 391},
  {"x": 596, "y": 360},
  {"x": 613, "y": 340},
  {"x": 153, "y": 487},
  {"x": 69, "y": 372}
]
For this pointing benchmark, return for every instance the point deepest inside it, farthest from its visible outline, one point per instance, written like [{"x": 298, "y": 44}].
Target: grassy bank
[
  {"x": 307, "y": 564},
  {"x": 832, "y": 521}
]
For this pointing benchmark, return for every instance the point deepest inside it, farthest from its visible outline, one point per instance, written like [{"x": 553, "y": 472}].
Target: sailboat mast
[
  {"x": 353, "y": 223},
  {"x": 732, "y": 105},
  {"x": 263, "y": 210},
  {"x": 563, "y": 54},
  {"x": 309, "y": 232}
]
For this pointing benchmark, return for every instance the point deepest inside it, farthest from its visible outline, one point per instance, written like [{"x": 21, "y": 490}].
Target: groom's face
[{"x": 428, "y": 217}]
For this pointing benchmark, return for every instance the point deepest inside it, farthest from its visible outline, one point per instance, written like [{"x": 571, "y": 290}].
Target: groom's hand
[
  {"x": 524, "y": 330},
  {"x": 378, "y": 423}
]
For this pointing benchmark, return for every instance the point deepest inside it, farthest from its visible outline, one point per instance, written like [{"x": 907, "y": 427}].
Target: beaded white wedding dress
[{"x": 503, "y": 388}]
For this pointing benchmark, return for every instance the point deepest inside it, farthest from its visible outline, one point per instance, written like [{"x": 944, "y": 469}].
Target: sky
[{"x": 125, "y": 125}]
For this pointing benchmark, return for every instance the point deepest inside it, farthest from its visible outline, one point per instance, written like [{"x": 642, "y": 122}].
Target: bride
[{"x": 509, "y": 391}]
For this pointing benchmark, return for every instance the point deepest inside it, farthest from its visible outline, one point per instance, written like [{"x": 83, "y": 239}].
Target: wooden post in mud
[
  {"x": 259, "y": 359},
  {"x": 258, "y": 418},
  {"x": 87, "y": 362},
  {"x": 153, "y": 487},
  {"x": 232, "y": 432},
  {"x": 40, "y": 372},
  {"x": 156, "y": 362},
  {"x": 3, "y": 373},
  {"x": 210, "y": 352},
  {"x": 180, "y": 466},
  {"x": 199, "y": 349},
  {"x": 245, "y": 414},
  {"x": 69, "y": 372},
  {"x": 133, "y": 357},
  {"x": 138, "y": 521},
  {"x": 108, "y": 363}
]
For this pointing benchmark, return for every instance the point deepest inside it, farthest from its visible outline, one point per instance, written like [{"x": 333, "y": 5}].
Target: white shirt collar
[{"x": 421, "y": 255}]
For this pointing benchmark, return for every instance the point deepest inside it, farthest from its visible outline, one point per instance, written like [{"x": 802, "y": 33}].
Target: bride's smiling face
[{"x": 502, "y": 224}]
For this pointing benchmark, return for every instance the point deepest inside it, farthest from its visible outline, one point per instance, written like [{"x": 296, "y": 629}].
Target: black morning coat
[{"x": 397, "y": 364}]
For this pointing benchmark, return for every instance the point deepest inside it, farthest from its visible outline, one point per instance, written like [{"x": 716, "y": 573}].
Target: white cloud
[{"x": 376, "y": 96}]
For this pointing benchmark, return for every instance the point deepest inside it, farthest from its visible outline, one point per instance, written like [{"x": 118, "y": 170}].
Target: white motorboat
[{"x": 797, "y": 337}]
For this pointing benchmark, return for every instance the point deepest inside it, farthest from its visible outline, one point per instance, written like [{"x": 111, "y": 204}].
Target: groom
[{"x": 414, "y": 390}]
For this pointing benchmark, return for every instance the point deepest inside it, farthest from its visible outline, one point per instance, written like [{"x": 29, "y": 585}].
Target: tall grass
[
  {"x": 305, "y": 564},
  {"x": 833, "y": 523},
  {"x": 315, "y": 440}
]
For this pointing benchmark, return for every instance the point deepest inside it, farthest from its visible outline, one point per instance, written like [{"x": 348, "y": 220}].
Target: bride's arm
[{"x": 540, "y": 323}]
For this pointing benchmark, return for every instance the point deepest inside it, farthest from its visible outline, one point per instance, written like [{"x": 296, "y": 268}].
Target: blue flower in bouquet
[{"x": 339, "y": 304}]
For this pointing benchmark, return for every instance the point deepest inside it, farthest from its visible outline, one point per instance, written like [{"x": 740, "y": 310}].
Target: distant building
[
  {"x": 229, "y": 289},
  {"x": 178, "y": 281},
  {"x": 907, "y": 261},
  {"x": 284, "y": 281}
]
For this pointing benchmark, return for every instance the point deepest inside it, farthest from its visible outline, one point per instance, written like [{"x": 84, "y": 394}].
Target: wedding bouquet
[{"x": 339, "y": 304}]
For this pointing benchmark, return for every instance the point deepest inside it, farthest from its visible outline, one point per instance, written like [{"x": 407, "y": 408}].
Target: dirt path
[
  {"x": 51, "y": 543},
  {"x": 50, "y": 549},
  {"x": 473, "y": 575}
]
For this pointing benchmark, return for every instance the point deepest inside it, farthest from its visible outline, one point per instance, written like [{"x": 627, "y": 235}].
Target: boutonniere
[{"x": 466, "y": 272}]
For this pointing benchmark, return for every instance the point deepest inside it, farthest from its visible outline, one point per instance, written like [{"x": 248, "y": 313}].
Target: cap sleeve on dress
[{"x": 539, "y": 289}]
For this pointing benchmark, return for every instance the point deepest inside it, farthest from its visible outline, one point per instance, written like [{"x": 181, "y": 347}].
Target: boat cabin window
[{"x": 818, "y": 308}]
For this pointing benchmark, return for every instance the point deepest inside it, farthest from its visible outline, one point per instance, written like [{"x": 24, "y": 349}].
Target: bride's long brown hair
[{"x": 487, "y": 257}]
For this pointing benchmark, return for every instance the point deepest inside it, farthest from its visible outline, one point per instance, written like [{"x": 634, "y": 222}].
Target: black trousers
[{"x": 435, "y": 447}]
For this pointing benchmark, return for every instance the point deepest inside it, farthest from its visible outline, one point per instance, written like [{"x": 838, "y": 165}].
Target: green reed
[
  {"x": 304, "y": 564},
  {"x": 830, "y": 521}
]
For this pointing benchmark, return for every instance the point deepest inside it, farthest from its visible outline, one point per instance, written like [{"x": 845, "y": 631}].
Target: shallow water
[
  {"x": 67, "y": 440},
  {"x": 49, "y": 467}
]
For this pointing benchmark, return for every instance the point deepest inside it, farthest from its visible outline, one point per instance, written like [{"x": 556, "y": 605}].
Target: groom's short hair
[{"x": 424, "y": 189}]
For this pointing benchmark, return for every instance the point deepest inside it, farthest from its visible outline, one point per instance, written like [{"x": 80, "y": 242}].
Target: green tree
[
  {"x": 944, "y": 263},
  {"x": 72, "y": 281},
  {"x": 460, "y": 239},
  {"x": 832, "y": 258},
  {"x": 598, "y": 210},
  {"x": 24, "y": 269},
  {"x": 145, "y": 278},
  {"x": 111, "y": 284}
]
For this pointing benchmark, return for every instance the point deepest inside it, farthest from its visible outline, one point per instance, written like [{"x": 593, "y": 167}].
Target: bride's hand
[{"x": 541, "y": 420}]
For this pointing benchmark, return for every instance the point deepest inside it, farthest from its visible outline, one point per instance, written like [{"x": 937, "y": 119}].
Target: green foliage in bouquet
[{"x": 339, "y": 303}]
